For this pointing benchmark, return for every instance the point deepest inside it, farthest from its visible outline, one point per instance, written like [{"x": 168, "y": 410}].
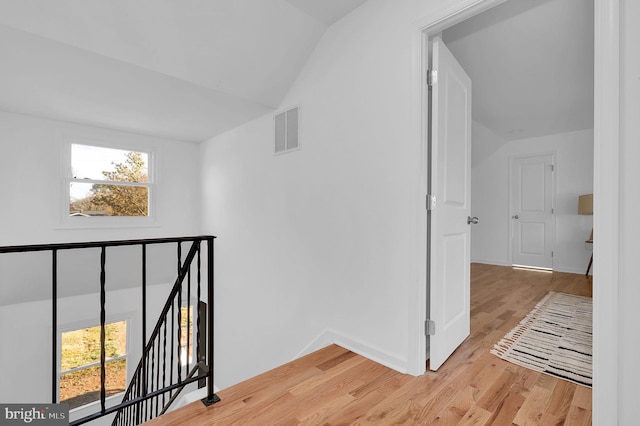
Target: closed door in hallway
[{"x": 531, "y": 193}]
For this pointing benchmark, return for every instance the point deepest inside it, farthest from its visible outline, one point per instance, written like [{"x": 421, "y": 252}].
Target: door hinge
[
  {"x": 429, "y": 328},
  {"x": 553, "y": 168},
  {"x": 552, "y": 254},
  {"x": 432, "y": 77},
  {"x": 431, "y": 202}
]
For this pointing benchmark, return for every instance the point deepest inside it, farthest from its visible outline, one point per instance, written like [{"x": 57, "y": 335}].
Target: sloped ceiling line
[{"x": 187, "y": 70}]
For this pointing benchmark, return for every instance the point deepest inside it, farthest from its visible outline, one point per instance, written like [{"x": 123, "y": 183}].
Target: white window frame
[
  {"x": 112, "y": 399},
  {"x": 286, "y": 111},
  {"x": 107, "y": 221}
]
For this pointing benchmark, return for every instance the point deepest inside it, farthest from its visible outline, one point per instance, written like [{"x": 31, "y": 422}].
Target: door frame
[
  {"x": 554, "y": 193},
  {"x": 606, "y": 186}
]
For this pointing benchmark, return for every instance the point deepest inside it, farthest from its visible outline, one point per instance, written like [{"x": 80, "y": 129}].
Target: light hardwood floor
[{"x": 334, "y": 386}]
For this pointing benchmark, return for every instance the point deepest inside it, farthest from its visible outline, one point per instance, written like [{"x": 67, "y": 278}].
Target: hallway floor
[{"x": 334, "y": 386}]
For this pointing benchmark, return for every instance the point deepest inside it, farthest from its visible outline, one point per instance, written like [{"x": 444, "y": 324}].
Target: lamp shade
[{"x": 585, "y": 204}]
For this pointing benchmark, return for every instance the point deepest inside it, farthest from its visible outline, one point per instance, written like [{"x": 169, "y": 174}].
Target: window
[
  {"x": 80, "y": 363},
  {"x": 186, "y": 335},
  {"x": 286, "y": 131},
  {"x": 108, "y": 182}
]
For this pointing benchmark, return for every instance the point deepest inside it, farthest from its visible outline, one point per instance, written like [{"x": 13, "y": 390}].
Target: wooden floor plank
[
  {"x": 334, "y": 386},
  {"x": 582, "y": 398},
  {"x": 459, "y": 407},
  {"x": 534, "y": 407},
  {"x": 507, "y": 410}
]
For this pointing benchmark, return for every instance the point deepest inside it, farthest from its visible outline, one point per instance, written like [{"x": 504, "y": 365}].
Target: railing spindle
[
  {"x": 179, "y": 345},
  {"x": 144, "y": 319},
  {"x": 173, "y": 332},
  {"x": 179, "y": 315},
  {"x": 164, "y": 358},
  {"x": 198, "y": 291},
  {"x": 157, "y": 398},
  {"x": 146, "y": 389},
  {"x": 153, "y": 363},
  {"x": 54, "y": 322},
  {"x": 188, "y": 317},
  {"x": 103, "y": 280}
]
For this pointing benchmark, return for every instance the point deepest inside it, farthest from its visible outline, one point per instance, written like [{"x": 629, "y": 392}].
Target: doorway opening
[{"x": 526, "y": 127}]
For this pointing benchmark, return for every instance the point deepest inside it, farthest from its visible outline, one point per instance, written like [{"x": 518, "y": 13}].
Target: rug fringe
[{"x": 554, "y": 338}]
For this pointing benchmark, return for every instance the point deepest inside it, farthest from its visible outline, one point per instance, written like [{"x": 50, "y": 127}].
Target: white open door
[{"x": 450, "y": 182}]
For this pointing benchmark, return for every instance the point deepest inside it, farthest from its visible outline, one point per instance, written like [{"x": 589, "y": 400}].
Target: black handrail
[
  {"x": 140, "y": 380},
  {"x": 99, "y": 244}
]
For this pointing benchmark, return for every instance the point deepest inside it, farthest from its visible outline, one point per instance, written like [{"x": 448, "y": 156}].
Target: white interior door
[
  {"x": 532, "y": 211},
  {"x": 450, "y": 182}
]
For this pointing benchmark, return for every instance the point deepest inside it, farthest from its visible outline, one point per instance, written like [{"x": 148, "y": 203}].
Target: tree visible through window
[
  {"x": 108, "y": 182},
  {"x": 80, "y": 363}
]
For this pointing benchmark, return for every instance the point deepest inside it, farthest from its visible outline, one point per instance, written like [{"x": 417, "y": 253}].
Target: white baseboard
[
  {"x": 329, "y": 337},
  {"x": 567, "y": 269},
  {"x": 490, "y": 262},
  {"x": 572, "y": 270}
]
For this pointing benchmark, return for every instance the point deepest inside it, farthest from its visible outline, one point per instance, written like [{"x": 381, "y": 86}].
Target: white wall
[
  {"x": 31, "y": 169},
  {"x": 629, "y": 226},
  {"x": 484, "y": 143},
  {"x": 490, "y": 199},
  {"x": 322, "y": 244}
]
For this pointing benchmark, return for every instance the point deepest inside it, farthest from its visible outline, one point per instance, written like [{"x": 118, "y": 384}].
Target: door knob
[
  {"x": 472, "y": 220},
  {"x": 515, "y": 217}
]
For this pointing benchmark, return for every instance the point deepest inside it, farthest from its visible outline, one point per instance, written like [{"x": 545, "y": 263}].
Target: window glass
[
  {"x": 80, "y": 363},
  {"x": 108, "y": 182},
  {"x": 98, "y": 163},
  {"x": 186, "y": 335}
]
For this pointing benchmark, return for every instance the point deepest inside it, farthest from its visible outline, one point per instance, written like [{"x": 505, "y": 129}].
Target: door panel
[
  {"x": 450, "y": 179},
  {"x": 454, "y": 270},
  {"x": 532, "y": 238},
  {"x": 532, "y": 211}
]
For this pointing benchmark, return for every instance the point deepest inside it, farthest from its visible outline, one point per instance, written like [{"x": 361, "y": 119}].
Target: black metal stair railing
[
  {"x": 161, "y": 373},
  {"x": 153, "y": 372}
]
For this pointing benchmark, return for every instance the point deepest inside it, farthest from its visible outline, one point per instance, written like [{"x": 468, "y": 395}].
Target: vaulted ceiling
[
  {"x": 184, "y": 69},
  {"x": 193, "y": 69},
  {"x": 531, "y": 64}
]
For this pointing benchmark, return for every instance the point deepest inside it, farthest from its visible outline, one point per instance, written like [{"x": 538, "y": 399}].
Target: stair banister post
[{"x": 211, "y": 398}]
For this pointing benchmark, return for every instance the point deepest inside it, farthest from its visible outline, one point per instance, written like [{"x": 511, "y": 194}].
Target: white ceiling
[
  {"x": 183, "y": 69},
  {"x": 531, "y": 64},
  {"x": 327, "y": 11},
  {"x": 192, "y": 69}
]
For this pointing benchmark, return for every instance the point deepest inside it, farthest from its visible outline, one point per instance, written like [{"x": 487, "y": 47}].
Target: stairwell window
[
  {"x": 108, "y": 185},
  {"x": 286, "y": 131},
  {"x": 80, "y": 363}
]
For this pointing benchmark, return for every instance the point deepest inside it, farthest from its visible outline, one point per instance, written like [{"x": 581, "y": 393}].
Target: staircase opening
[{"x": 131, "y": 369}]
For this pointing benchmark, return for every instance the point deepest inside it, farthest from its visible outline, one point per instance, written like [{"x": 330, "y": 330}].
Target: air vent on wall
[{"x": 286, "y": 130}]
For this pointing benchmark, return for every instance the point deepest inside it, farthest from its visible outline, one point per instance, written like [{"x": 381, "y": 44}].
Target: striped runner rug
[{"x": 555, "y": 338}]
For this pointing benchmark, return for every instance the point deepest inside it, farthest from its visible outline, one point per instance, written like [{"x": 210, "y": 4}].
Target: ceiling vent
[{"x": 286, "y": 130}]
